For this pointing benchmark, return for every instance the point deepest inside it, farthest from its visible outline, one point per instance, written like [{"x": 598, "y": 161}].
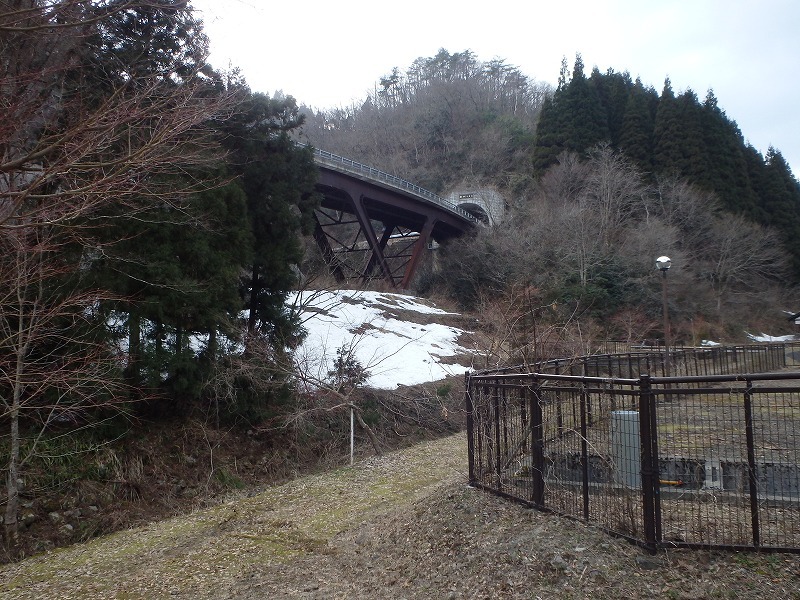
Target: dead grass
[{"x": 401, "y": 526}]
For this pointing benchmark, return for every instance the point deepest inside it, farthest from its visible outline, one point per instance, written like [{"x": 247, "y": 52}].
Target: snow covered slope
[{"x": 396, "y": 338}]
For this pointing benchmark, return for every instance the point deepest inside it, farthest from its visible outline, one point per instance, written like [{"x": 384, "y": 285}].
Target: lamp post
[{"x": 663, "y": 263}]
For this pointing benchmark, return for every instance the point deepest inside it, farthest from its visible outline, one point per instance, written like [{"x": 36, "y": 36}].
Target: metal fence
[
  {"x": 702, "y": 459},
  {"x": 631, "y": 360}
]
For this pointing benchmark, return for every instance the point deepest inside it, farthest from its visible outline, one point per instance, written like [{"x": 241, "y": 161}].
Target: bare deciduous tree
[
  {"x": 67, "y": 155},
  {"x": 739, "y": 256},
  {"x": 520, "y": 327},
  {"x": 616, "y": 193},
  {"x": 52, "y": 367},
  {"x": 325, "y": 389}
]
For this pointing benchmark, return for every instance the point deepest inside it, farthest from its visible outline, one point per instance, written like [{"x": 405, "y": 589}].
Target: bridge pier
[
  {"x": 364, "y": 253},
  {"x": 419, "y": 248}
]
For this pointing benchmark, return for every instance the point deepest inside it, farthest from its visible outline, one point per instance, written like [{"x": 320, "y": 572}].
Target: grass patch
[{"x": 228, "y": 480}]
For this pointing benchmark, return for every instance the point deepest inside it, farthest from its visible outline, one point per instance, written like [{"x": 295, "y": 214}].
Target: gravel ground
[{"x": 400, "y": 526}]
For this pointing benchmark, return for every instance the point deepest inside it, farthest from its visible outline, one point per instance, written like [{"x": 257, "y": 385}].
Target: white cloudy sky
[{"x": 330, "y": 53}]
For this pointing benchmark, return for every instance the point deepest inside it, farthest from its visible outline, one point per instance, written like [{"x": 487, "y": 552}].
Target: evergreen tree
[
  {"x": 175, "y": 271},
  {"x": 726, "y": 172},
  {"x": 666, "y": 132},
  {"x": 278, "y": 179},
  {"x": 207, "y": 255},
  {"x": 636, "y": 132},
  {"x": 549, "y": 135},
  {"x": 613, "y": 89},
  {"x": 160, "y": 39},
  {"x": 679, "y": 145},
  {"x": 694, "y": 161},
  {"x": 174, "y": 264},
  {"x": 588, "y": 121},
  {"x": 756, "y": 175},
  {"x": 574, "y": 120},
  {"x": 780, "y": 197}
]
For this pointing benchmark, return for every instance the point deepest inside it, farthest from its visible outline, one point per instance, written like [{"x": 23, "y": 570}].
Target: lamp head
[{"x": 663, "y": 263}]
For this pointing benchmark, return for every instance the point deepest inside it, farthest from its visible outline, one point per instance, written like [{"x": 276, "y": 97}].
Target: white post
[{"x": 352, "y": 435}]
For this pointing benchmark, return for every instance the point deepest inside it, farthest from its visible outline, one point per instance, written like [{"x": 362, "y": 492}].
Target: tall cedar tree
[
  {"x": 780, "y": 197},
  {"x": 175, "y": 266},
  {"x": 727, "y": 172},
  {"x": 278, "y": 179},
  {"x": 574, "y": 119},
  {"x": 666, "y": 132},
  {"x": 613, "y": 90},
  {"x": 636, "y": 131},
  {"x": 178, "y": 271}
]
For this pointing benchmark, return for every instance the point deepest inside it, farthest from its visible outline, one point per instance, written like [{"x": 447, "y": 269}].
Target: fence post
[
  {"x": 559, "y": 409},
  {"x": 470, "y": 427},
  {"x": 650, "y": 484},
  {"x": 537, "y": 445},
  {"x": 751, "y": 463},
  {"x": 498, "y": 459},
  {"x": 585, "y": 450}
]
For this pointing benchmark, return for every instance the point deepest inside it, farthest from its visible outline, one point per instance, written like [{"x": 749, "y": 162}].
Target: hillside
[
  {"x": 452, "y": 122},
  {"x": 401, "y": 526},
  {"x": 131, "y": 472},
  {"x": 400, "y": 340}
]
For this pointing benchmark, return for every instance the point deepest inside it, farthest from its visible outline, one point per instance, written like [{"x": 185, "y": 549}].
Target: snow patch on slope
[{"x": 394, "y": 350}]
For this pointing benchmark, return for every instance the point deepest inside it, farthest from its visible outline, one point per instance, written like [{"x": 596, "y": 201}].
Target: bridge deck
[
  {"x": 376, "y": 176},
  {"x": 384, "y": 209}
]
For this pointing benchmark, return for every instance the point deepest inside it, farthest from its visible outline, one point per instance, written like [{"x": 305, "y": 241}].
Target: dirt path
[
  {"x": 401, "y": 526},
  {"x": 211, "y": 553}
]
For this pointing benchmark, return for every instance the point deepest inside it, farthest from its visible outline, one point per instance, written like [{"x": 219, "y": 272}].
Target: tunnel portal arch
[{"x": 485, "y": 204}]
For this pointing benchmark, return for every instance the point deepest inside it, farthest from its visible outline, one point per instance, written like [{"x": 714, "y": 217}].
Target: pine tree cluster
[{"x": 671, "y": 135}]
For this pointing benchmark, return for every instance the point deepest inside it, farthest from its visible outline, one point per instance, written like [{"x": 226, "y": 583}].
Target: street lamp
[{"x": 663, "y": 263}]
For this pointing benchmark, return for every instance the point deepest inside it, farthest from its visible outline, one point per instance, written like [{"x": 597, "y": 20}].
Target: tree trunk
[
  {"x": 12, "y": 484},
  {"x": 255, "y": 290},
  {"x": 12, "y": 488},
  {"x": 369, "y": 431},
  {"x": 159, "y": 346},
  {"x": 212, "y": 357},
  {"x": 131, "y": 372},
  {"x": 178, "y": 341}
]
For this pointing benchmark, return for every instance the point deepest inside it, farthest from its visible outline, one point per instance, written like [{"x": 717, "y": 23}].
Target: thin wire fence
[{"x": 706, "y": 458}]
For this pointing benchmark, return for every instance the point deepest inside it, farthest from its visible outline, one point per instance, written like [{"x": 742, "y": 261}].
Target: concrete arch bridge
[{"x": 373, "y": 225}]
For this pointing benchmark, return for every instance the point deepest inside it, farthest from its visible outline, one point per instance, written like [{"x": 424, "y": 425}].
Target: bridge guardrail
[{"x": 352, "y": 166}]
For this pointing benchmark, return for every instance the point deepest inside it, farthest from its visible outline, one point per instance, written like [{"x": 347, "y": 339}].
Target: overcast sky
[{"x": 331, "y": 53}]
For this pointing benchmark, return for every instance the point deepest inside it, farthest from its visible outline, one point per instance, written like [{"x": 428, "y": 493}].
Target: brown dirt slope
[{"x": 401, "y": 526}]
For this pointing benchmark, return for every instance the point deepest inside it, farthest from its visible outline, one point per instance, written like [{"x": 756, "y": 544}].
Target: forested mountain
[
  {"x": 671, "y": 135},
  {"x": 449, "y": 119},
  {"x": 453, "y": 120},
  {"x": 601, "y": 175}
]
